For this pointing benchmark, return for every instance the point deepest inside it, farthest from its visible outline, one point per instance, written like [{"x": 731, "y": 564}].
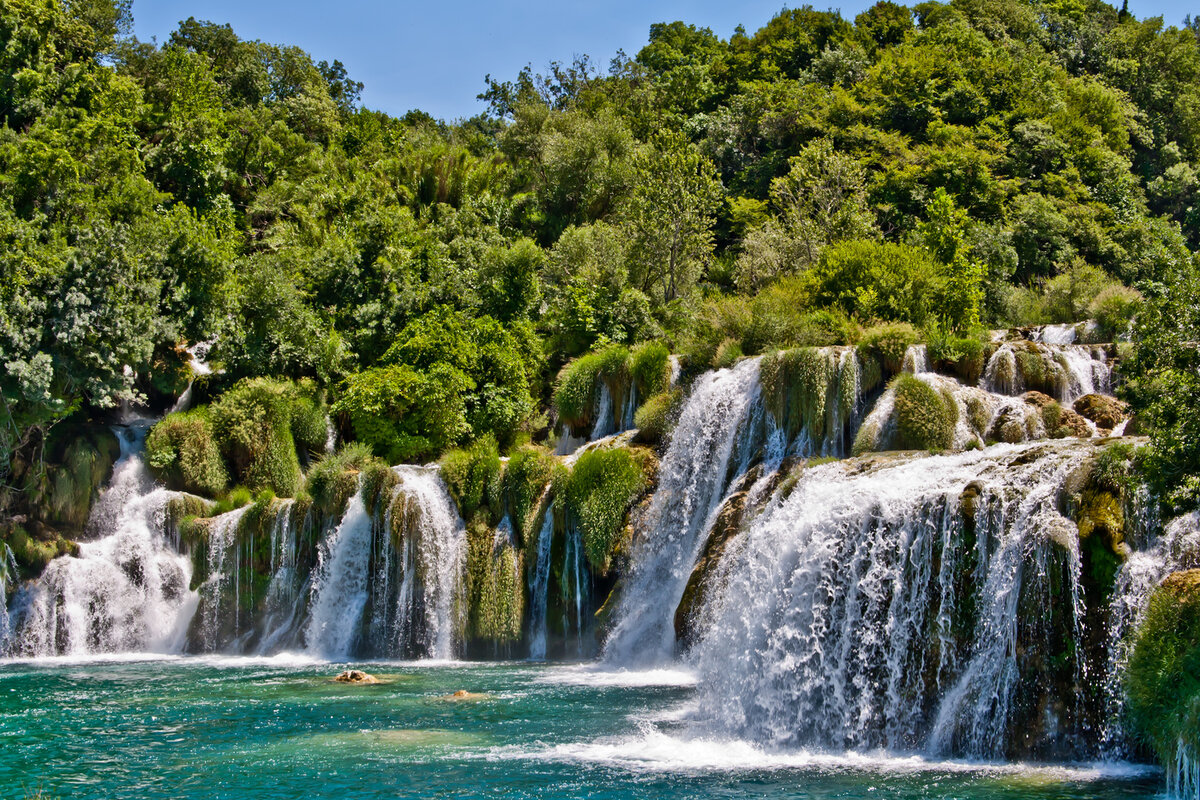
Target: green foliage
[
  {"x": 182, "y": 451},
  {"x": 650, "y": 368},
  {"x": 256, "y": 423},
  {"x": 879, "y": 280},
  {"x": 602, "y": 487},
  {"x": 925, "y": 418},
  {"x": 526, "y": 476},
  {"x": 655, "y": 418},
  {"x": 495, "y": 360},
  {"x": 888, "y": 342},
  {"x": 964, "y": 355},
  {"x": 405, "y": 415},
  {"x": 334, "y": 478},
  {"x": 1162, "y": 678},
  {"x": 1114, "y": 309},
  {"x": 473, "y": 477},
  {"x": 579, "y": 382}
]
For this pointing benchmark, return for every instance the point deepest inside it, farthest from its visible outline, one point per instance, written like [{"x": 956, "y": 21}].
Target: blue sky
[{"x": 433, "y": 55}]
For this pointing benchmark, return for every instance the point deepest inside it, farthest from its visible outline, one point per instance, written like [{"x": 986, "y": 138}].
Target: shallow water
[{"x": 280, "y": 727}]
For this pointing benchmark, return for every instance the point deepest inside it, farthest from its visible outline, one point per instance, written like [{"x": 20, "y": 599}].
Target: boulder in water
[
  {"x": 1107, "y": 412},
  {"x": 356, "y": 676},
  {"x": 462, "y": 695}
]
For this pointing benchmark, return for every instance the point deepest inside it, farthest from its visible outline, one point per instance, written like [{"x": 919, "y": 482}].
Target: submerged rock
[
  {"x": 356, "y": 676},
  {"x": 462, "y": 696}
]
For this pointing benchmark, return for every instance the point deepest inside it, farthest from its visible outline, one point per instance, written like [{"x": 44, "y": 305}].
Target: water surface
[{"x": 280, "y": 727}]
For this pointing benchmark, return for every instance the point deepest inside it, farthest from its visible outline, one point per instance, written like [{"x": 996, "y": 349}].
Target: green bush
[
  {"x": 579, "y": 381},
  {"x": 472, "y": 476},
  {"x": 602, "y": 487},
  {"x": 878, "y": 280},
  {"x": 925, "y": 417},
  {"x": 650, "y": 368},
  {"x": 405, "y": 415},
  {"x": 888, "y": 342},
  {"x": 496, "y": 359},
  {"x": 254, "y": 424},
  {"x": 1113, "y": 309},
  {"x": 964, "y": 356},
  {"x": 333, "y": 480},
  {"x": 656, "y": 417},
  {"x": 799, "y": 386},
  {"x": 182, "y": 451},
  {"x": 525, "y": 478},
  {"x": 1162, "y": 679}
]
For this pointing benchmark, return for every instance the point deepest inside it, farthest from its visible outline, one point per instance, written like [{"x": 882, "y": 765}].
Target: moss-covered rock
[
  {"x": 473, "y": 478},
  {"x": 656, "y": 417},
  {"x": 1106, "y": 412},
  {"x": 526, "y": 477},
  {"x": 260, "y": 423},
  {"x": 603, "y": 486},
  {"x": 925, "y": 417},
  {"x": 34, "y": 546},
  {"x": 579, "y": 384},
  {"x": 182, "y": 452},
  {"x": 495, "y": 590},
  {"x": 1162, "y": 679},
  {"x": 334, "y": 479}
]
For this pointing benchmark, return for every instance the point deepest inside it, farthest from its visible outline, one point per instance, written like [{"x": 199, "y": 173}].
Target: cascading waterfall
[
  {"x": 437, "y": 561},
  {"x": 1067, "y": 371},
  {"x": 604, "y": 414},
  {"x": 904, "y": 603},
  {"x": 281, "y": 607},
  {"x": 8, "y": 575},
  {"x": 340, "y": 588},
  {"x": 220, "y": 594},
  {"x": 539, "y": 589},
  {"x": 126, "y": 591},
  {"x": 693, "y": 476}
]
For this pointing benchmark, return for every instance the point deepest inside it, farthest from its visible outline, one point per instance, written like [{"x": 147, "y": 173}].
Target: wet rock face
[{"x": 1106, "y": 412}]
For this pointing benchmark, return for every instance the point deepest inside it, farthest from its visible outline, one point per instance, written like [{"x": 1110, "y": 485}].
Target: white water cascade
[
  {"x": 539, "y": 589},
  {"x": 436, "y": 564},
  {"x": 127, "y": 591},
  {"x": 881, "y": 604},
  {"x": 693, "y": 476},
  {"x": 340, "y": 587}
]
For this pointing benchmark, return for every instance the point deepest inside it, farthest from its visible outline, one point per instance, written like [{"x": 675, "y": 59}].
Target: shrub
[
  {"x": 888, "y": 342},
  {"x": 525, "y": 478},
  {"x": 579, "y": 381},
  {"x": 656, "y": 417},
  {"x": 405, "y": 415},
  {"x": 333, "y": 480},
  {"x": 602, "y": 487},
  {"x": 965, "y": 356},
  {"x": 650, "y": 368},
  {"x": 877, "y": 280},
  {"x": 254, "y": 423},
  {"x": 472, "y": 476},
  {"x": 182, "y": 451},
  {"x": 925, "y": 417},
  {"x": 1114, "y": 309}
]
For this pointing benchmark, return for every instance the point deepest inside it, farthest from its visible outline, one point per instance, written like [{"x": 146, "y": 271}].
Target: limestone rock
[
  {"x": 1107, "y": 412},
  {"x": 356, "y": 676}
]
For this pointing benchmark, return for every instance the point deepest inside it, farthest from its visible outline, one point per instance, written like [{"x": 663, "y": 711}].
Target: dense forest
[{"x": 913, "y": 174}]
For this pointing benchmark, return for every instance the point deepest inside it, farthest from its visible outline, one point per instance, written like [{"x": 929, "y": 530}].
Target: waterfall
[
  {"x": 219, "y": 610},
  {"x": 916, "y": 359},
  {"x": 282, "y": 604},
  {"x": 438, "y": 540},
  {"x": 126, "y": 591},
  {"x": 693, "y": 476},
  {"x": 1066, "y": 372},
  {"x": 8, "y": 575},
  {"x": 903, "y": 602},
  {"x": 539, "y": 589},
  {"x": 604, "y": 414},
  {"x": 340, "y": 587}
]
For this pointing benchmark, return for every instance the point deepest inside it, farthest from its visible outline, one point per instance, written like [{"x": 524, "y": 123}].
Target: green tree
[{"x": 670, "y": 215}]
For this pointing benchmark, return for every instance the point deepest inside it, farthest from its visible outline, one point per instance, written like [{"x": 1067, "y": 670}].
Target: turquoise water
[{"x": 234, "y": 728}]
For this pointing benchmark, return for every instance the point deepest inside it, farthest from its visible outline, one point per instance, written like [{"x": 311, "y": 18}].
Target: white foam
[{"x": 592, "y": 675}]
